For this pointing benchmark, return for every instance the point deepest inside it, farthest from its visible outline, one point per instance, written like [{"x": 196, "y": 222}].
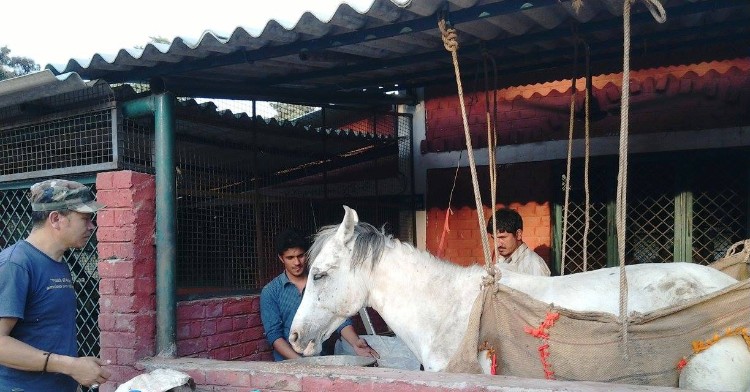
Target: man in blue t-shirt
[
  {"x": 38, "y": 349},
  {"x": 281, "y": 297}
]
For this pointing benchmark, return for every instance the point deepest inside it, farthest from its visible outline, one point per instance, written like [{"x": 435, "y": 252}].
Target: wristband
[{"x": 46, "y": 361}]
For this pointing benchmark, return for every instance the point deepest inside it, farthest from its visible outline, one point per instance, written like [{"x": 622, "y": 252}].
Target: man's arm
[
  {"x": 19, "y": 355},
  {"x": 273, "y": 325},
  {"x": 285, "y": 349},
  {"x": 359, "y": 345}
]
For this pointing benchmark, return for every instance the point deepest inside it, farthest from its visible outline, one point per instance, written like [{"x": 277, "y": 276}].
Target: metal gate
[{"x": 678, "y": 209}]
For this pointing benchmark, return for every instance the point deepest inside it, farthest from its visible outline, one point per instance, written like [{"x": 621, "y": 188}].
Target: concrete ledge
[{"x": 235, "y": 376}]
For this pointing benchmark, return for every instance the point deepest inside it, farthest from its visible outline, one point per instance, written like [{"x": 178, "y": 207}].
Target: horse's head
[{"x": 335, "y": 286}]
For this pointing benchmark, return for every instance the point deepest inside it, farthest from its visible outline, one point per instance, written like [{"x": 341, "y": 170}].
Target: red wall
[
  {"x": 686, "y": 97},
  {"x": 127, "y": 262},
  {"x": 222, "y": 328},
  {"x": 524, "y": 187}
]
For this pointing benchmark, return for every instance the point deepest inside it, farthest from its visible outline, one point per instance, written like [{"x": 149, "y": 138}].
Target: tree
[{"x": 12, "y": 66}]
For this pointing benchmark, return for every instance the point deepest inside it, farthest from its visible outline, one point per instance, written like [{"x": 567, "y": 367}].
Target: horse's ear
[{"x": 346, "y": 228}]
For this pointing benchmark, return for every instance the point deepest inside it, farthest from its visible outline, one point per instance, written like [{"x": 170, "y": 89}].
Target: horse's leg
[{"x": 725, "y": 366}]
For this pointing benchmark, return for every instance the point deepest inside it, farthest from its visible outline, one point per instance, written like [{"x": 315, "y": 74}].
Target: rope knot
[
  {"x": 492, "y": 279},
  {"x": 449, "y": 35}
]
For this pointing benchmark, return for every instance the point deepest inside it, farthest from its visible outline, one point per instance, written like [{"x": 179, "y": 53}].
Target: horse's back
[{"x": 650, "y": 286}]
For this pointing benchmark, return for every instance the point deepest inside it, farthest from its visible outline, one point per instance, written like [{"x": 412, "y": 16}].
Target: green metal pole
[
  {"x": 162, "y": 106},
  {"x": 683, "y": 216},
  {"x": 166, "y": 226},
  {"x": 613, "y": 256},
  {"x": 557, "y": 211}
]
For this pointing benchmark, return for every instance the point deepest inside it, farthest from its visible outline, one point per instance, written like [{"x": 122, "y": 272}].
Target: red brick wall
[
  {"x": 127, "y": 264},
  {"x": 676, "y": 98},
  {"x": 525, "y": 187},
  {"x": 378, "y": 124},
  {"x": 222, "y": 328}
]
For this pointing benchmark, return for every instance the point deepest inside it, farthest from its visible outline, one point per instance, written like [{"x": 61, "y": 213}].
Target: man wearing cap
[{"x": 38, "y": 348}]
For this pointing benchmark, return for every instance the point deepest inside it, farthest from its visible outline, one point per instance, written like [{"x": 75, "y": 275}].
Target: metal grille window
[
  {"x": 71, "y": 141},
  {"x": 677, "y": 210},
  {"x": 720, "y": 205},
  {"x": 598, "y": 210},
  {"x": 650, "y": 213}
]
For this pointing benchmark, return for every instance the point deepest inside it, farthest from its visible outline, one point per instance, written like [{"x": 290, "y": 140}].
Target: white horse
[{"x": 427, "y": 301}]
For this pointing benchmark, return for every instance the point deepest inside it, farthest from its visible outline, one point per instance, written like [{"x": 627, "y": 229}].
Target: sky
[{"x": 54, "y": 32}]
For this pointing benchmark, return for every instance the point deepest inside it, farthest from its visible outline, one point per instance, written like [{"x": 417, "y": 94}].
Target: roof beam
[
  {"x": 608, "y": 49},
  {"x": 249, "y": 91}
]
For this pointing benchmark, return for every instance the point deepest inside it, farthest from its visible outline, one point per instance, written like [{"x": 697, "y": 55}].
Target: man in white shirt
[{"x": 511, "y": 252}]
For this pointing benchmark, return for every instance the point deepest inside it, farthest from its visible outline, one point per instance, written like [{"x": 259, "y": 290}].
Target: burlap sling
[
  {"x": 587, "y": 345},
  {"x": 736, "y": 261}
]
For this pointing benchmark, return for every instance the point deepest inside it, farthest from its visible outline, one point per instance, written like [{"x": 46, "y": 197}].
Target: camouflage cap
[{"x": 61, "y": 195}]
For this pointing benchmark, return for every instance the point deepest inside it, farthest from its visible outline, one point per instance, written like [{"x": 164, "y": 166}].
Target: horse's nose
[{"x": 293, "y": 337}]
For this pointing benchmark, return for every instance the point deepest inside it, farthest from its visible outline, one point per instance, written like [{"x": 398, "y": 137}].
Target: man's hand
[
  {"x": 364, "y": 350},
  {"x": 88, "y": 371}
]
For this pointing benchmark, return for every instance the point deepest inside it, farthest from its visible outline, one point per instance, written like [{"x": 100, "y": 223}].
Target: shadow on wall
[{"x": 546, "y": 253}]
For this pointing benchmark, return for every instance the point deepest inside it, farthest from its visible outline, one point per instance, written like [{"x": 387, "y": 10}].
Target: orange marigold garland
[
  {"x": 541, "y": 332},
  {"x": 699, "y": 345}
]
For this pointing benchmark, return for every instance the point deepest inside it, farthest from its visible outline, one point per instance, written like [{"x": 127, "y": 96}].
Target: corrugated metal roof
[
  {"x": 39, "y": 85},
  {"x": 358, "y": 53}
]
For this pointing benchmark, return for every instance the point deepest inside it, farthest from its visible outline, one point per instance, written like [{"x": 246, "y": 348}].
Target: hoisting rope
[
  {"x": 450, "y": 43},
  {"x": 659, "y": 14},
  {"x": 571, "y": 127},
  {"x": 491, "y": 141},
  {"x": 587, "y": 154}
]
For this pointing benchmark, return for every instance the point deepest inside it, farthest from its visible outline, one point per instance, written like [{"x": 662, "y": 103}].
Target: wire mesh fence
[
  {"x": 715, "y": 216},
  {"x": 243, "y": 177}
]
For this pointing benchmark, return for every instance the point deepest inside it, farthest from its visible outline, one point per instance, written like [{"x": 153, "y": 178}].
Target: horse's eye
[{"x": 319, "y": 275}]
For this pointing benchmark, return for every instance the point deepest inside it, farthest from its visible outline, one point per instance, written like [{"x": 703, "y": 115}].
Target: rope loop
[
  {"x": 449, "y": 35},
  {"x": 656, "y": 9}
]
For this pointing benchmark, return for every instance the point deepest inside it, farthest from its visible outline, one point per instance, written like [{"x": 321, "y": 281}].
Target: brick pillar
[{"x": 127, "y": 268}]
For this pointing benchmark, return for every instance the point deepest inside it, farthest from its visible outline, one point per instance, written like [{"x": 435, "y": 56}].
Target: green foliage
[{"x": 12, "y": 66}]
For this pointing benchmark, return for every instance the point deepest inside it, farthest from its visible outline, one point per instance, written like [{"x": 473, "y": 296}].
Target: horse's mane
[{"x": 369, "y": 242}]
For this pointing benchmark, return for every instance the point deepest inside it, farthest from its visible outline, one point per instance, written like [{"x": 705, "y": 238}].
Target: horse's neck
[{"x": 425, "y": 302}]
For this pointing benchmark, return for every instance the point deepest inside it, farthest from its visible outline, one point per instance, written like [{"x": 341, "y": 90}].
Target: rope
[
  {"x": 657, "y": 11},
  {"x": 491, "y": 142},
  {"x": 450, "y": 43},
  {"x": 587, "y": 153},
  {"x": 449, "y": 211},
  {"x": 571, "y": 127},
  {"x": 622, "y": 176}
]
